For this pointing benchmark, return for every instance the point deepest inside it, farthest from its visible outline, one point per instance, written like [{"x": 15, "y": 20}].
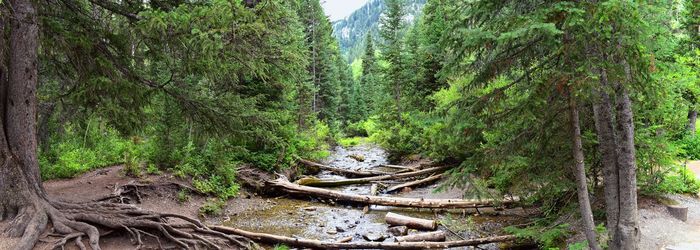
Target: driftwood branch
[
  {"x": 429, "y": 236},
  {"x": 414, "y": 183},
  {"x": 291, "y": 188},
  {"x": 316, "y": 244},
  {"x": 411, "y": 222},
  {"x": 341, "y": 171},
  {"x": 334, "y": 183}
]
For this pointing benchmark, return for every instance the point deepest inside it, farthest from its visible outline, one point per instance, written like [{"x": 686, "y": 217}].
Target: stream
[{"x": 325, "y": 220}]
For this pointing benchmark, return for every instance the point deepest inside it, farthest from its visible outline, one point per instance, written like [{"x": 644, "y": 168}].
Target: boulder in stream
[{"x": 373, "y": 236}]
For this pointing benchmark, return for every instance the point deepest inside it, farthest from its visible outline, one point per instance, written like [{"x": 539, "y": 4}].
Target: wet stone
[
  {"x": 339, "y": 229},
  {"x": 398, "y": 230},
  {"x": 373, "y": 236}
]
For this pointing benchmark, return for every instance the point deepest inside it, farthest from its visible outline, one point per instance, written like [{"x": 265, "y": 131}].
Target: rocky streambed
[{"x": 326, "y": 220}]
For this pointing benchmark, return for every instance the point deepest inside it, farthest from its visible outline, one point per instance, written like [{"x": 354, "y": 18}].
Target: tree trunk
[
  {"x": 315, "y": 182},
  {"x": 411, "y": 222},
  {"x": 423, "y": 237},
  {"x": 627, "y": 232},
  {"x": 692, "y": 118},
  {"x": 284, "y": 185},
  {"x": 602, "y": 112},
  {"x": 414, "y": 183},
  {"x": 580, "y": 173},
  {"x": 25, "y": 209}
]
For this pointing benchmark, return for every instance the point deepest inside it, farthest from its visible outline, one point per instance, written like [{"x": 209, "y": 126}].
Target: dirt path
[{"x": 661, "y": 231}]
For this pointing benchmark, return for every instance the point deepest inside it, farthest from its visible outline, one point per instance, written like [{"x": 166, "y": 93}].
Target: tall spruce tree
[{"x": 391, "y": 30}]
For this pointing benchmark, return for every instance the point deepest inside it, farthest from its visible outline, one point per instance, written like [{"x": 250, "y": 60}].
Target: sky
[{"x": 339, "y": 9}]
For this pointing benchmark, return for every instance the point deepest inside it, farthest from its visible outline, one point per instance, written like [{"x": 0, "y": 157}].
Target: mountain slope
[{"x": 351, "y": 31}]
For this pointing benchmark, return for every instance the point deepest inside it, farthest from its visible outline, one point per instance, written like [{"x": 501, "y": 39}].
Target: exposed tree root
[{"x": 73, "y": 221}]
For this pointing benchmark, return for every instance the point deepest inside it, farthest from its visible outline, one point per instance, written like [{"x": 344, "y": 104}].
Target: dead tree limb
[
  {"x": 316, "y": 244},
  {"x": 315, "y": 182},
  {"x": 414, "y": 183},
  {"x": 341, "y": 171},
  {"x": 284, "y": 185},
  {"x": 429, "y": 236},
  {"x": 411, "y": 222}
]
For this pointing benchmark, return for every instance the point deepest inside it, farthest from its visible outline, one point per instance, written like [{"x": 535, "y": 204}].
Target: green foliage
[
  {"x": 313, "y": 144},
  {"x": 183, "y": 196},
  {"x": 678, "y": 180},
  {"x": 85, "y": 147},
  {"x": 690, "y": 147},
  {"x": 350, "y": 141},
  {"x": 547, "y": 237},
  {"x": 212, "y": 206},
  {"x": 281, "y": 247}
]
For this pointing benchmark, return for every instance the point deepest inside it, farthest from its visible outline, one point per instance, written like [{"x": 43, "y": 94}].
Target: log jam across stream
[{"x": 325, "y": 220}]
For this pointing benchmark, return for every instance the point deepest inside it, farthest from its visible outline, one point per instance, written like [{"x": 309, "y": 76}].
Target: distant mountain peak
[{"x": 352, "y": 30}]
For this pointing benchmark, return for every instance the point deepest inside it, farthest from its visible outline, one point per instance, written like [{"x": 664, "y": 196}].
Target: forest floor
[
  {"x": 282, "y": 215},
  {"x": 662, "y": 231}
]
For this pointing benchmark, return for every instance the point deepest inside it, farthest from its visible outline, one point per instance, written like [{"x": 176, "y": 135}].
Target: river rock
[
  {"x": 357, "y": 157},
  {"x": 372, "y": 236},
  {"x": 339, "y": 229},
  {"x": 332, "y": 231},
  {"x": 398, "y": 230}
]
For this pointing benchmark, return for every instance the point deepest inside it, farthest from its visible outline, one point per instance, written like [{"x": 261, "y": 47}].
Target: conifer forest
[{"x": 398, "y": 124}]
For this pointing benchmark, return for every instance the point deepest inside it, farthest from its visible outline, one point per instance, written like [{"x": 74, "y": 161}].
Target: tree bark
[
  {"x": 402, "y": 220},
  {"x": 414, "y": 183},
  {"x": 334, "y": 183},
  {"x": 25, "y": 209},
  {"x": 580, "y": 173},
  {"x": 422, "y": 237},
  {"x": 603, "y": 116},
  {"x": 692, "y": 118},
  {"x": 344, "y": 172},
  {"x": 291, "y": 188},
  {"x": 627, "y": 232}
]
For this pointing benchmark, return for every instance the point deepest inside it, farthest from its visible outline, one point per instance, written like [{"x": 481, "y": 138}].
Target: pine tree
[{"x": 391, "y": 28}]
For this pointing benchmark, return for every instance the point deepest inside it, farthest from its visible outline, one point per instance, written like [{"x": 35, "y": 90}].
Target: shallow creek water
[{"x": 325, "y": 220}]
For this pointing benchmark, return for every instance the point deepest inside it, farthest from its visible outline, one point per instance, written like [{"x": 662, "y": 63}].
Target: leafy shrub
[
  {"x": 690, "y": 147},
  {"x": 547, "y": 237},
  {"x": 79, "y": 150},
  {"x": 679, "y": 180},
  {"x": 350, "y": 142},
  {"x": 183, "y": 196},
  {"x": 212, "y": 206}
]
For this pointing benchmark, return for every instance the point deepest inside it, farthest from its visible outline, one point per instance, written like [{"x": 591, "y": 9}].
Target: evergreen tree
[{"x": 390, "y": 29}]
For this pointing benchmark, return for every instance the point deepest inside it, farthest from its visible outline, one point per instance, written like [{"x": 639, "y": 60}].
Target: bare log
[
  {"x": 344, "y": 172},
  {"x": 411, "y": 222},
  {"x": 429, "y": 236},
  {"x": 414, "y": 183},
  {"x": 316, "y": 244},
  {"x": 315, "y": 182},
  {"x": 400, "y": 167},
  {"x": 284, "y": 185}
]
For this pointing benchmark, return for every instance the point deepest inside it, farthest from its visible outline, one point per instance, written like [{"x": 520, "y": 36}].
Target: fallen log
[
  {"x": 316, "y": 244},
  {"x": 414, "y": 183},
  {"x": 429, "y": 236},
  {"x": 284, "y": 185},
  {"x": 341, "y": 171},
  {"x": 315, "y": 182},
  {"x": 411, "y": 222},
  {"x": 399, "y": 167}
]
